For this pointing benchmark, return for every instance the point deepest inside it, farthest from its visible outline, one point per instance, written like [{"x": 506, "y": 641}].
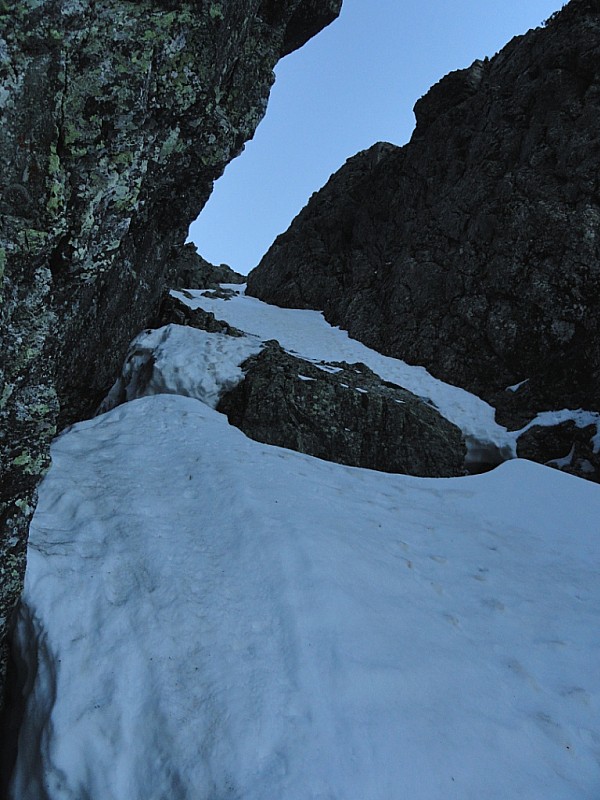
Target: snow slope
[
  {"x": 307, "y": 334},
  {"x": 207, "y": 618}
]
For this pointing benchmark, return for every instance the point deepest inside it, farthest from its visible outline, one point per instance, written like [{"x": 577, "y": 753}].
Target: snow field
[{"x": 218, "y": 618}]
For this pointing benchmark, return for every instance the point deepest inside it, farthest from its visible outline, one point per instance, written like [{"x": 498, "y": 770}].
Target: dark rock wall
[
  {"x": 188, "y": 270},
  {"x": 117, "y": 116},
  {"x": 475, "y": 249}
]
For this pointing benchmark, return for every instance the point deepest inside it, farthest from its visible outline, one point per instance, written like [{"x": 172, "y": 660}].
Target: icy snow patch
[
  {"x": 565, "y": 461},
  {"x": 516, "y": 386},
  {"x": 182, "y": 360},
  {"x": 208, "y": 617}
]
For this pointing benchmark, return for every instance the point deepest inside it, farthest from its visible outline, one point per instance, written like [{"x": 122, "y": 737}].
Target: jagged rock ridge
[
  {"x": 117, "y": 118},
  {"x": 474, "y": 250},
  {"x": 188, "y": 270}
]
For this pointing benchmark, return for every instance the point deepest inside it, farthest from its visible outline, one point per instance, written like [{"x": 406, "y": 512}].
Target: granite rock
[{"x": 474, "y": 250}]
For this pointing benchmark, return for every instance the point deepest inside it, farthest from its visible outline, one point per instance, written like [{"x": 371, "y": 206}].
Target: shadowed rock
[
  {"x": 475, "y": 249},
  {"x": 188, "y": 270},
  {"x": 172, "y": 310},
  {"x": 343, "y": 413},
  {"x": 564, "y": 446}
]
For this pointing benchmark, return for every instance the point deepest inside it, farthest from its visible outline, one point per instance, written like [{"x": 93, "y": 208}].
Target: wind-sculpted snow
[
  {"x": 182, "y": 360},
  {"x": 208, "y": 617}
]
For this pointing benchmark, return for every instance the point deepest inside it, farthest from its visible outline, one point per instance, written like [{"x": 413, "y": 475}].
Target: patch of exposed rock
[
  {"x": 475, "y": 249},
  {"x": 116, "y": 119},
  {"x": 343, "y": 413},
  {"x": 174, "y": 311},
  {"x": 188, "y": 270},
  {"x": 565, "y": 446}
]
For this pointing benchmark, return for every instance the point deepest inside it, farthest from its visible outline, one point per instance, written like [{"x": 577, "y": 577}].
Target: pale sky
[{"x": 351, "y": 86}]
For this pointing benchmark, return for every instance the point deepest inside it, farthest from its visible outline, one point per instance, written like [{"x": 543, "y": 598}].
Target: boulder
[
  {"x": 564, "y": 446},
  {"x": 344, "y": 413}
]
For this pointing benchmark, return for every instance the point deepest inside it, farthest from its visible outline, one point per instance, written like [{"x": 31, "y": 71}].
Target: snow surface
[
  {"x": 217, "y": 618},
  {"x": 209, "y": 618},
  {"x": 181, "y": 360}
]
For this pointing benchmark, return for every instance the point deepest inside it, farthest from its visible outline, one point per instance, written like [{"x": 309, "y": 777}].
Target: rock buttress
[{"x": 342, "y": 413}]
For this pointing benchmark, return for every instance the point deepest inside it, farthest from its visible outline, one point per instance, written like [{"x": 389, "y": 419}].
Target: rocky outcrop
[
  {"x": 474, "y": 250},
  {"x": 343, "y": 413},
  {"x": 173, "y": 311},
  {"x": 116, "y": 119},
  {"x": 188, "y": 270}
]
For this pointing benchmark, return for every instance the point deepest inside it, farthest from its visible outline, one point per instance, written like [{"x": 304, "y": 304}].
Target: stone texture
[
  {"x": 565, "y": 447},
  {"x": 474, "y": 250},
  {"x": 346, "y": 414},
  {"x": 172, "y": 310},
  {"x": 188, "y": 270},
  {"x": 116, "y": 119}
]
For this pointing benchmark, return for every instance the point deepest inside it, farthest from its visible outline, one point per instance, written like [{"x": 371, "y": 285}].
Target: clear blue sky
[{"x": 352, "y": 85}]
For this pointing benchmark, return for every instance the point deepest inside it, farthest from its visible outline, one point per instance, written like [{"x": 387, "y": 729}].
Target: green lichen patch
[{"x": 216, "y": 11}]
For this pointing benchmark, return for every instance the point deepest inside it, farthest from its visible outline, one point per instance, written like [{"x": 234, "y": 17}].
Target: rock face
[
  {"x": 343, "y": 413},
  {"x": 173, "y": 311},
  {"x": 188, "y": 270},
  {"x": 474, "y": 250},
  {"x": 565, "y": 446},
  {"x": 116, "y": 119}
]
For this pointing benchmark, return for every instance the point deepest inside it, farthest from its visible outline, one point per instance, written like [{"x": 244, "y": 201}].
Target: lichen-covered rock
[
  {"x": 475, "y": 249},
  {"x": 116, "y": 119},
  {"x": 188, "y": 270},
  {"x": 343, "y": 413}
]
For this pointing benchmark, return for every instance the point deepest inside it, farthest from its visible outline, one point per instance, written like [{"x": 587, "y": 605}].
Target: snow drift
[{"x": 208, "y": 617}]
